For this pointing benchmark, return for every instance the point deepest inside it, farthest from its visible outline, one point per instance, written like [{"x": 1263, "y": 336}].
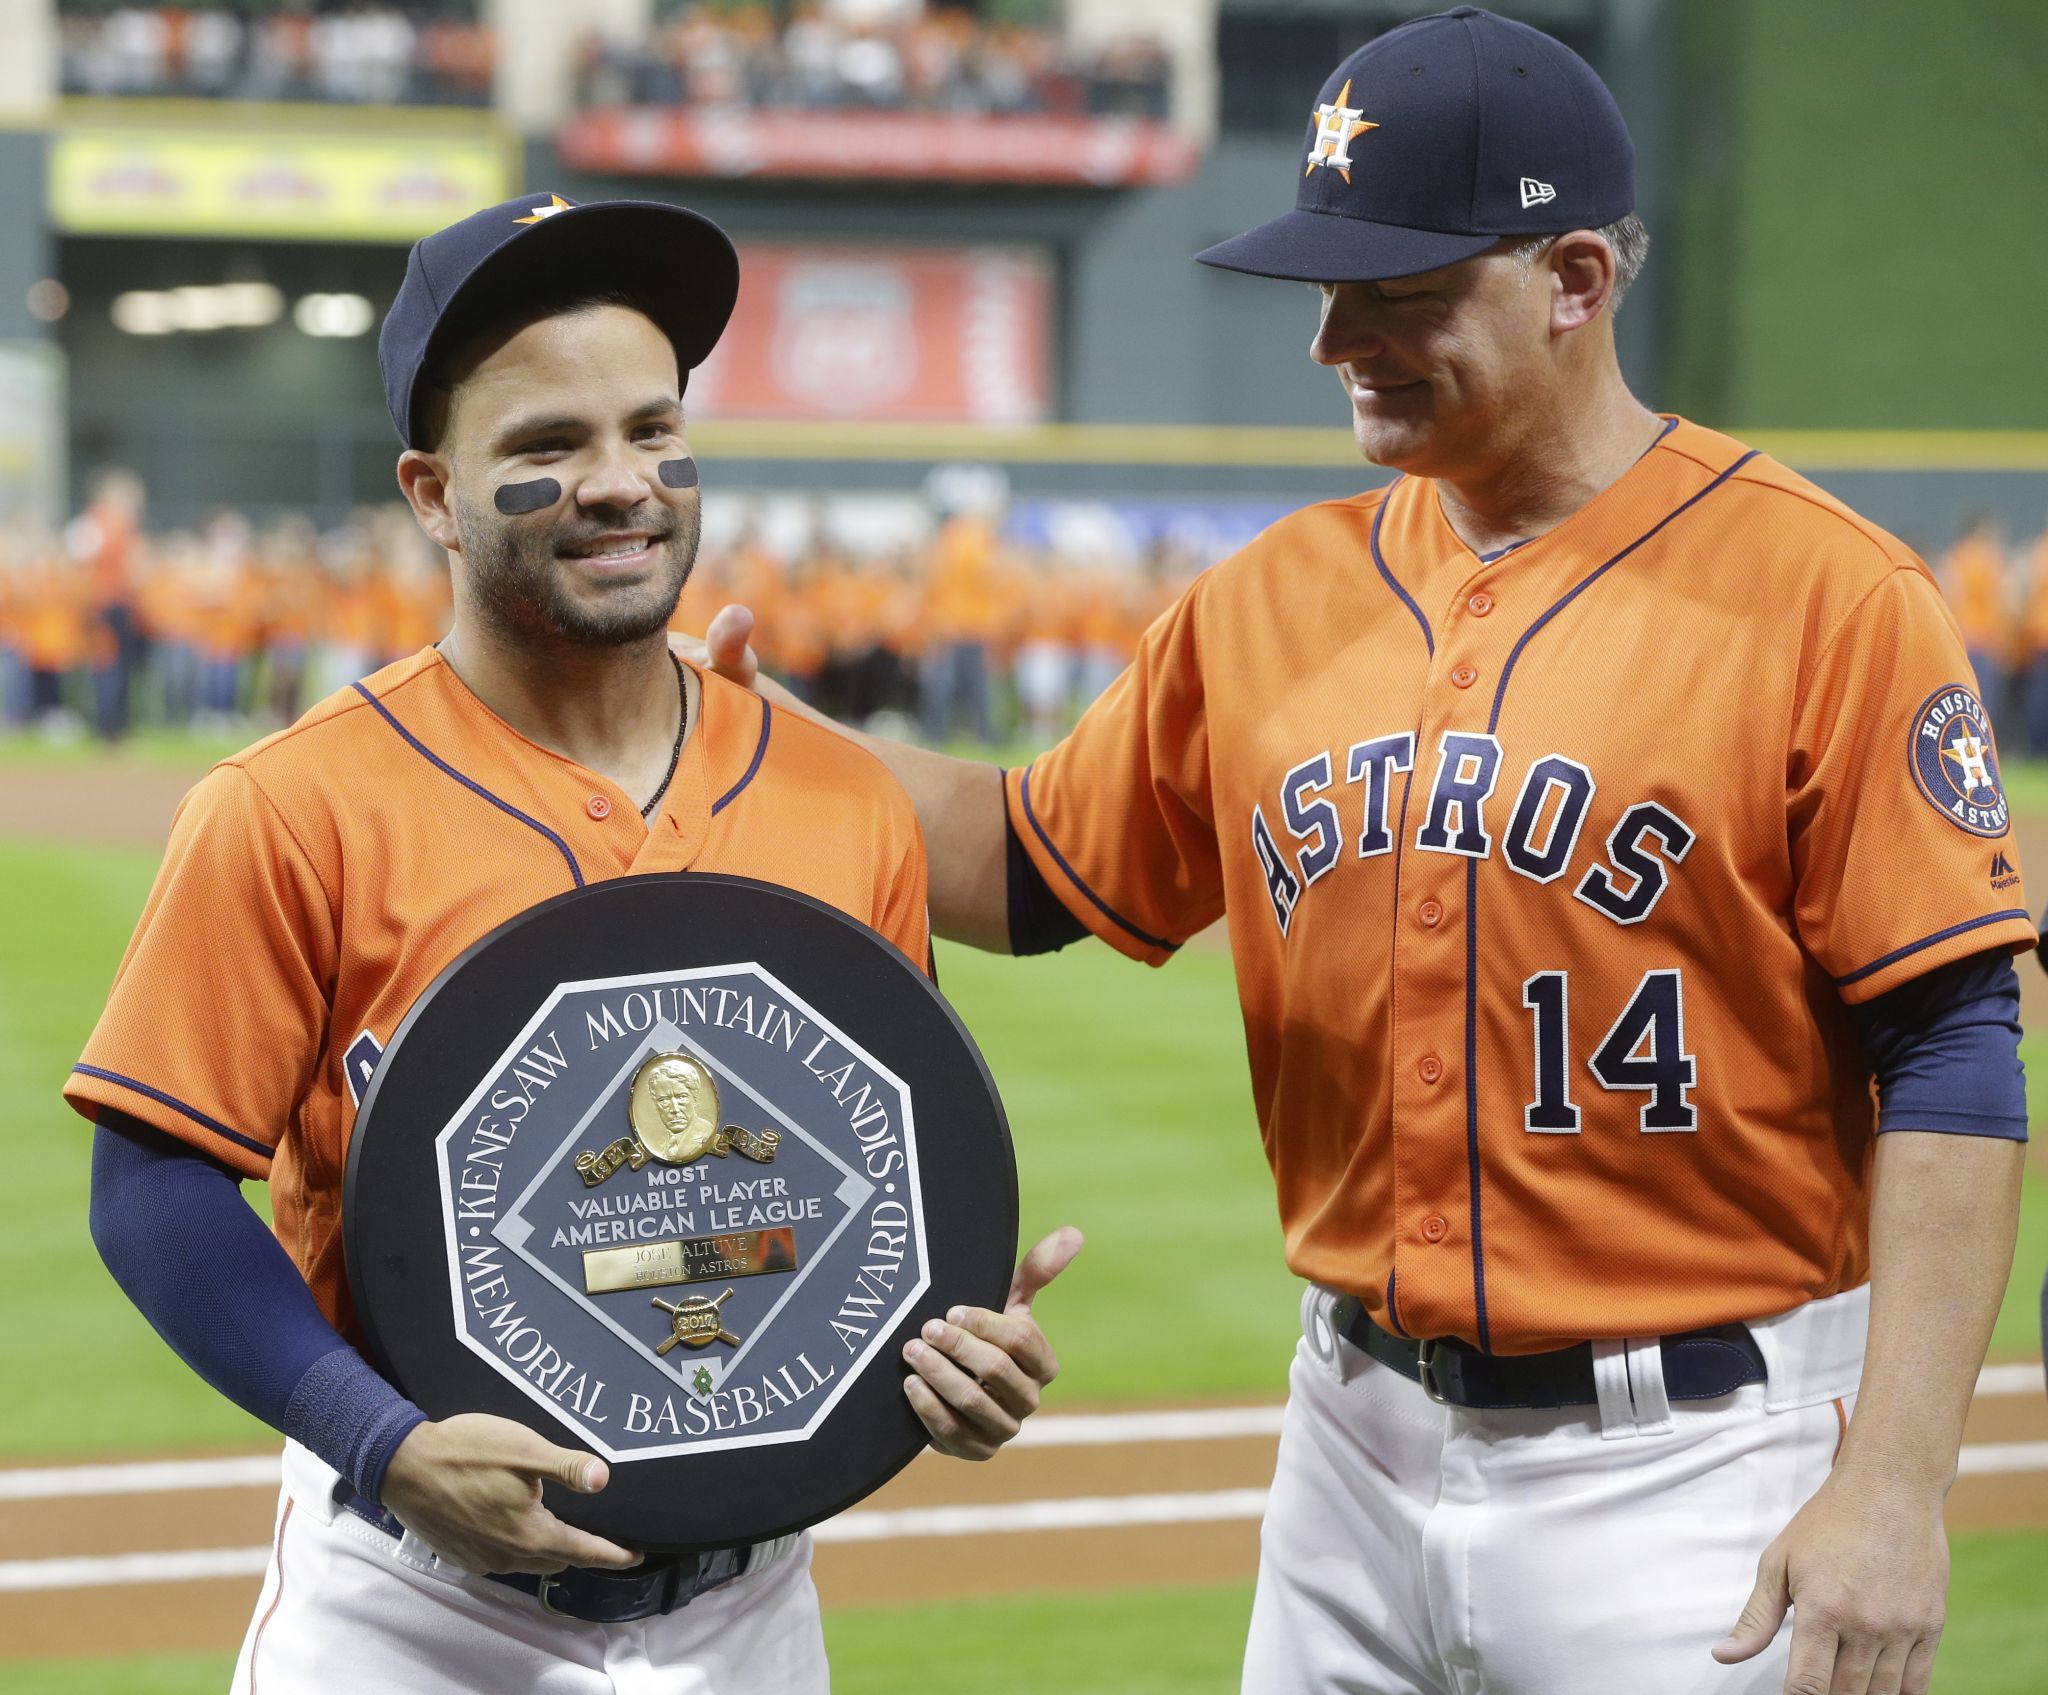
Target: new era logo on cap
[{"x": 1536, "y": 193}]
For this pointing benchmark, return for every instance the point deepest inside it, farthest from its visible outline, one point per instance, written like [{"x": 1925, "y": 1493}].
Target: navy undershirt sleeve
[
  {"x": 206, "y": 1272},
  {"x": 1039, "y": 919},
  {"x": 1946, "y": 1050}
]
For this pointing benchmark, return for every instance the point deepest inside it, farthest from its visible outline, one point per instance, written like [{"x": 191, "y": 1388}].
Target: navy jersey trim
[
  {"x": 1102, "y": 906},
  {"x": 760, "y": 753},
  {"x": 1393, "y": 1309},
  {"x": 1508, "y": 670},
  {"x": 192, "y": 1112},
  {"x": 1394, "y": 931},
  {"x": 1911, "y": 948},
  {"x": 1407, "y": 599},
  {"x": 1472, "y": 889},
  {"x": 1472, "y": 1097},
  {"x": 470, "y": 783}
]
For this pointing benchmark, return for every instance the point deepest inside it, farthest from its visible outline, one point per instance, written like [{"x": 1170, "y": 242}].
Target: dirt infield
[{"x": 109, "y": 800}]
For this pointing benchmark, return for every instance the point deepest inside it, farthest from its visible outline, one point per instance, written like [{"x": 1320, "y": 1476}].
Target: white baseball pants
[
  {"x": 1415, "y": 1549},
  {"x": 346, "y": 1607}
]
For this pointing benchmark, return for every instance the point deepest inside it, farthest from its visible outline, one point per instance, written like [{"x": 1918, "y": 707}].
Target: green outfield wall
[{"x": 1860, "y": 239}]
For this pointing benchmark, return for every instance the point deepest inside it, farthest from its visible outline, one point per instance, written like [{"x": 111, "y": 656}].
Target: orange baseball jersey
[
  {"x": 1548, "y": 876},
  {"x": 318, "y": 882}
]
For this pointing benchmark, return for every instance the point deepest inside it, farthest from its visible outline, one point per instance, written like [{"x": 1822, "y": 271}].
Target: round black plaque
[{"x": 857, "y": 1101}]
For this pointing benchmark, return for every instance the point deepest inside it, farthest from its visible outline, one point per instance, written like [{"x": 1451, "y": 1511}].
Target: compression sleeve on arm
[
  {"x": 1945, "y": 1048},
  {"x": 200, "y": 1265},
  {"x": 1039, "y": 920}
]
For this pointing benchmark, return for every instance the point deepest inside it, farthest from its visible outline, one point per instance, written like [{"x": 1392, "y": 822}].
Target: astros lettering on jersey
[
  {"x": 318, "y": 882},
  {"x": 1542, "y": 873}
]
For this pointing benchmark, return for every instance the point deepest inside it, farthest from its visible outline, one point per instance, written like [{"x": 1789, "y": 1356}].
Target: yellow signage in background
[{"x": 115, "y": 179}]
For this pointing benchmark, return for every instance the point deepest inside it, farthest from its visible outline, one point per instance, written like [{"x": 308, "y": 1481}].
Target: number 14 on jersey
[{"x": 1643, "y": 1050}]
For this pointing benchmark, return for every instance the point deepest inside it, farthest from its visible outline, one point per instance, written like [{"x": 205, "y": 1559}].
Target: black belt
[
  {"x": 1698, "y": 1366},
  {"x": 597, "y": 1597}
]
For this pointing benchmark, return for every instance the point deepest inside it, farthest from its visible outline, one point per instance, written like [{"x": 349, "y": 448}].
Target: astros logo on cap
[
  {"x": 555, "y": 204},
  {"x": 1336, "y": 124}
]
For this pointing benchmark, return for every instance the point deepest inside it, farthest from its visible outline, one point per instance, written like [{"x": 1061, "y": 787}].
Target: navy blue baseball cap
[
  {"x": 675, "y": 265},
  {"x": 1432, "y": 142}
]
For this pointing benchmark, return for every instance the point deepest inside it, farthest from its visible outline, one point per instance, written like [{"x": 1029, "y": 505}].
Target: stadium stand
[
  {"x": 887, "y": 57},
  {"x": 354, "y": 54}
]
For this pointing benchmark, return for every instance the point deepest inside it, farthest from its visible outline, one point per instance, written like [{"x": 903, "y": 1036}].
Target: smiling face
[
  {"x": 586, "y": 400},
  {"x": 1439, "y": 367}
]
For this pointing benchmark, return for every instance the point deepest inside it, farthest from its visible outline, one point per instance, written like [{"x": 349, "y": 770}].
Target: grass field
[
  {"x": 1130, "y": 1105},
  {"x": 1169, "y": 1642}
]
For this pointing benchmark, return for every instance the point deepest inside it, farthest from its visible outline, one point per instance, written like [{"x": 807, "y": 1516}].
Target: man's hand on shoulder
[
  {"x": 978, "y": 1375},
  {"x": 469, "y": 1487},
  {"x": 725, "y": 646}
]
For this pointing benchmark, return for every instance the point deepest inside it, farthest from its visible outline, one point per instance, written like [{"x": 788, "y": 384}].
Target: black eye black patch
[
  {"x": 677, "y": 473},
  {"x": 517, "y": 499}
]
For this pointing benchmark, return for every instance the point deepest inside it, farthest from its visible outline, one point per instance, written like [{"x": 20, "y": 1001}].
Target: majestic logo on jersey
[
  {"x": 2003, "y": 876},
  {"x": 1336, "y": 124},
  {"x": 681, "y": 1301},
  {"x": 1540, "y": 841},
  {"x": 1955, "y": 764}
]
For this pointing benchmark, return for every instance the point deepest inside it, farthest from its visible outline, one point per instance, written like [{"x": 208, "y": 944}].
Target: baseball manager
[{"x": 1598, "y": 812}]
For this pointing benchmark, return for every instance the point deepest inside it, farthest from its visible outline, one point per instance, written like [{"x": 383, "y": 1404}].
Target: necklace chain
[{"x": 675, "y": 754}]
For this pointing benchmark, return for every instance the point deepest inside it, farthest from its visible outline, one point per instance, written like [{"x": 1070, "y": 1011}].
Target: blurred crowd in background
[
  {"x": 1997, "y": 587},
  {"x": 231, "y": 629},
  {"x": 970, "y": 629},
  {"x": 973, "y": 629},
  {"x": 888, "y": 54},
  {"x": 357, "y": 53}
]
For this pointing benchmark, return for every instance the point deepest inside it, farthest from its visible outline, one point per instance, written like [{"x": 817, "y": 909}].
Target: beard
[{"x": 524, "y": 588}]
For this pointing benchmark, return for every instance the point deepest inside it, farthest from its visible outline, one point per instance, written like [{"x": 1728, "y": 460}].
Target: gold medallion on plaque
[
  {"x": 674, "y": 1111},
  {"x": 675, "y": 1108}
]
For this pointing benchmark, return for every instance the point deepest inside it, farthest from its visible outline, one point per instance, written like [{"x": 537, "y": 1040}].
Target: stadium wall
[
  {"x": 1830, "y": 195},
  {"x": 1143, "y": 334},
  {"x": 25, "y": 254},
  {"x": 1859, "y": 240}
]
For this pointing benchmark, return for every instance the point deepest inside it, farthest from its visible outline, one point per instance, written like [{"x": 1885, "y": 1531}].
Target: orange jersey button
[
  {"x": 1431, "y": 913},
  {"x": 1464, "y": 676},
  {"x": 1431, "y": 1069},
  {"x": 1479, "y": 605},
  {"x": 598, "y": 806},
  {"x": 1434, "y": 1228}
]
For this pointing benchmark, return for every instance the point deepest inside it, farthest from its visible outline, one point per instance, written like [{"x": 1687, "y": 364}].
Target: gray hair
[{"x": 1627, "y": 236}]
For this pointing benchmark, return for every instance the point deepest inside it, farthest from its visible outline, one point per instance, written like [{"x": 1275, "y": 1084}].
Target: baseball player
[
  {"x": 318, "y": 882},
  {"x": 1597, "y": 812}
]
